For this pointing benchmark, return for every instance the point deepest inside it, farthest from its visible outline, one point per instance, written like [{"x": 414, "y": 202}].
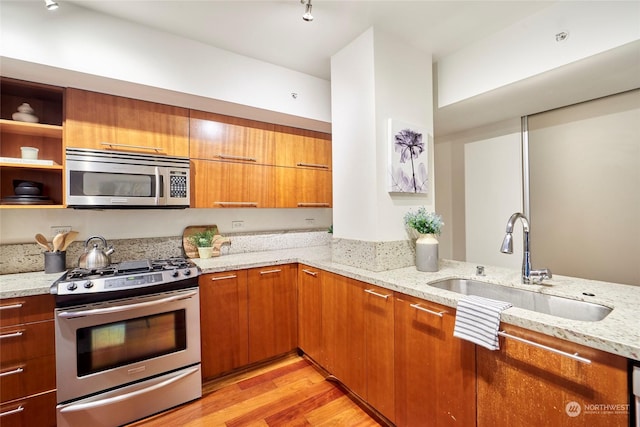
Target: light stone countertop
[{"x": 618, "y": 333}]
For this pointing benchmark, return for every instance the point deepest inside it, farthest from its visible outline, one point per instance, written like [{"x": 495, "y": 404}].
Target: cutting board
[{"x": 190, "y": 250}]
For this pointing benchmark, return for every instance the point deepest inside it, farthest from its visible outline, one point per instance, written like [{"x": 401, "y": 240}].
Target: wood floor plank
[{"x": 289, "y": 392}]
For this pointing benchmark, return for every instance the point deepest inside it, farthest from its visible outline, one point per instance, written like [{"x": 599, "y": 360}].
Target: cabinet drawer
[
  {"x": 26, "y": 378},
  {"x": 37, "y": 411},
  {"x": 28, "y": 341},
  {"x": 15, "y": 311}
]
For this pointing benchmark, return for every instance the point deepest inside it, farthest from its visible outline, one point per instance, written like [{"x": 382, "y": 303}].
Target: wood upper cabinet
[
  {"x": 310, "y": 312},
  {"x": 107, "y": 122},
  {"x": 302, "y": 148},
  {"x": 224, "y": 322},
  {"x": 272, "y": 311},
  {"x": 225, "y": 138},
  {"x": 435, "y": 372},
  {"x": 46, "y": 136},
  {"x": 27, "y": 362},
  {"x": 218, "y": 184},
  {"x": 522, "y": 385},
  {"x": 303, "y": 188}
]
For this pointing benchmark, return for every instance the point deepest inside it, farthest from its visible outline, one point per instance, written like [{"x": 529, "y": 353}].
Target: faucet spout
[{"x": 528, "y": 275}]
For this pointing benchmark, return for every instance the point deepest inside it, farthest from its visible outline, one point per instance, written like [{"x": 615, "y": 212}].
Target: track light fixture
[
  {"x": 307, "y": 10},
  {"x": 51, "y": 4}
]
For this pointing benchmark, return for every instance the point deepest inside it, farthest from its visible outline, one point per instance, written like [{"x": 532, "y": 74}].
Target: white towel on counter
[{"x": 478, "y": 320}]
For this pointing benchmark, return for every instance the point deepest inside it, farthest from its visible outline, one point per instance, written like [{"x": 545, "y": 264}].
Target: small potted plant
[
  {"x": 203, "y": 240},
  {"x": 426, "y": 226}
]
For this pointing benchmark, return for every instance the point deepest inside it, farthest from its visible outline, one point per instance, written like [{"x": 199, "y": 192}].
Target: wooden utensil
[
  {"x": 42, "y": 241},
  {"x": 68, "y": 239},
  {"x": 58, "y": 241}
]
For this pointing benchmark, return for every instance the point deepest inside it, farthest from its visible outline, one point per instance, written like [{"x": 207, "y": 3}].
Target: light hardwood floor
[{"x": 287, "y": 392}]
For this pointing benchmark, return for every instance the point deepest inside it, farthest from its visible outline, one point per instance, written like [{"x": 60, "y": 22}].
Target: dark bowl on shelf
[{"x": 27, "y": 188}]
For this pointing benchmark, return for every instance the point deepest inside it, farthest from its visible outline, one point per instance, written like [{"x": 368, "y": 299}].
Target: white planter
[
  {"x": 427, "y": 253},
  {"x": 205, "y": 252}
]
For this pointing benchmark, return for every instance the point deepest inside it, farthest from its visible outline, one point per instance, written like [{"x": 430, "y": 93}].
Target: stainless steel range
[{"x": 127, "y": 341}]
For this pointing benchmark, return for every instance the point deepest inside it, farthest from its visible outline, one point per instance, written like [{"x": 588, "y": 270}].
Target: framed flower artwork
[{"x": 408, "y": 158}]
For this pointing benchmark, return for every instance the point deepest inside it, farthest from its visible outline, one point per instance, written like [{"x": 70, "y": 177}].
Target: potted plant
[
  {"x": 425, "y": 227},
  {"x": 203, "y": 240}
]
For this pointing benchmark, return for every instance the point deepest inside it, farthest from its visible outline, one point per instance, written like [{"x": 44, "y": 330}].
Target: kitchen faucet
[{"x": 528, "y": 275}]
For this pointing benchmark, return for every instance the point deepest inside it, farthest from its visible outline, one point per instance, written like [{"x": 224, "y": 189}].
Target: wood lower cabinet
[
  {"x": 223, "y": 322},
  {"x": 435, "y": 372},
  {"x": 522, "y": 385},
  {"x": 107, "y": 122},
  {"x": 231, "y": 185},
  {"x": 27, "y": 362},
  {"x": 273, "y": 320},
  {"x": 310, "y": 312}
]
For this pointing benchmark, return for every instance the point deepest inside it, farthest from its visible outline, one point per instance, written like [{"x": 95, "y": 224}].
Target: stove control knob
[
  {"x": 88, "y": 284},
  {"x": 187, "y": 272},
  {"x": 175, "y": 273},
  {"x": 72, "y": 286}
]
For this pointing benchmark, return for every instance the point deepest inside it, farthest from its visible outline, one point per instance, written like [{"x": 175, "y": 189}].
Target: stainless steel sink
[{"x": 541, "y": 303}]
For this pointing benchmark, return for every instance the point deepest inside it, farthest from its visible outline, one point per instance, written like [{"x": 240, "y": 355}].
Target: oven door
[
  {"x": 112, "y": 185},
  {"x": 110, "y": 344}
]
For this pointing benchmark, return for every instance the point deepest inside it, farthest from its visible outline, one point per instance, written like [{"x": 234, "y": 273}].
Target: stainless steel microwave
[{"x": 110, "y": 179}]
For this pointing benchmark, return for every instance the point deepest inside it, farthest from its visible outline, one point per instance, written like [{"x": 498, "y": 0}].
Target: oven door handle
[
  {"x": 120, "y": 398},
  {"x": 120, "y": 308}
]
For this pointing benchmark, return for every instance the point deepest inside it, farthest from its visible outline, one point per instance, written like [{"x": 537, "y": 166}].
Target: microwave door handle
[
  {"x": 157, "y": 186},
  {"x": 122, "y": 397},
  {"x": 120, "y": 308}
]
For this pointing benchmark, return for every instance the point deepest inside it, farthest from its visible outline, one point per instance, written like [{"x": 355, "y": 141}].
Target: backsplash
[{"x": 27, "y": 257}]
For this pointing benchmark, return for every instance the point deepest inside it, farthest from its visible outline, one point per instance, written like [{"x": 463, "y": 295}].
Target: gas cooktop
[{"x": 125, "y": 279}]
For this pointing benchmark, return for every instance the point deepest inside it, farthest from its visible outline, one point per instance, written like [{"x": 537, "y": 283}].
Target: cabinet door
[
  {"x": 225, "y": 138},
  {"x": 342, "y": 331},
  {"x": 435, "y": 372},
  {"x": 272, "y": 311},
  {"x": 522, "y": 385},
  {"x": 99, "y": 121},
  {"x": 38, "y": 410},
  {"x": 223, "y": 320},
  {"x": 379, "y": 349},
  {"x": 36, "y": 308},
  {"x": 310, "y": 312},
  {"x": 231, "y": 185},
  {"x": 300, "y": 188},
  {"x": 302, "y": 148}
]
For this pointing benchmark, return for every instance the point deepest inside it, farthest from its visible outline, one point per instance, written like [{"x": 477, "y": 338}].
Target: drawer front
[
  {"x": 36, "y": 308},
  {"x": 33, "y": 376},
  {"x": 37, "y": 411},
  {"x": 24, "y": 342}
]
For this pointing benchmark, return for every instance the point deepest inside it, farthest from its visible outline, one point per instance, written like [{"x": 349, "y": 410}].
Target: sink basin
[{"x": 548, "y": 304}]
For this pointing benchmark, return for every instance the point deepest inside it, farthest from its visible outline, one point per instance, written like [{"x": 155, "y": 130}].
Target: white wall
[
  {"x": 84, "y": 43},
  {"x": 528, "y": 48},
  {"x": 367, "y": 88}
]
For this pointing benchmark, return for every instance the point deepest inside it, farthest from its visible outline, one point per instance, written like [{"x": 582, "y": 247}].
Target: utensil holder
[{"x": 55, "y": 262}]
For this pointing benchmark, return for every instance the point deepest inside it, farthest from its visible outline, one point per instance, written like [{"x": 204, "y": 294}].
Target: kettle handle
[{"x": 86, "y": 242}]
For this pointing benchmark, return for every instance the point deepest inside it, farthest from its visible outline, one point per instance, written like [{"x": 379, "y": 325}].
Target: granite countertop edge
[{"x": 618, "y": 333}]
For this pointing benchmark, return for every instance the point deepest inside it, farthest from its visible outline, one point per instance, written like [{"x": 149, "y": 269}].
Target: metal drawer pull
[
  {"x": 435, "y": 313},
  {"x": 309, "y": 272},
  {"x": 312, "y": 165},
  {"x": 15, "y": 371},
  {"x": 74, "y": 407},
  {"x": 231, "y": 276},
  {"x": 140, "y": 147},
  {"x": 573, "y": 356},
  {"x": 13, "y": 411},
  {"x": 9, "y": 307},
  {"x": 271, "y": 271},
  {"x": 229, "y": 157},
  {"x": 311, "y": 205},
  {"x": 12, "y": 335},
  {"x": 252, "y": 204},
  {"x": 372, "y": 292}
]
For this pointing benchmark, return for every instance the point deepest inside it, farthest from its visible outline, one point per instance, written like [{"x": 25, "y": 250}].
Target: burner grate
[{"x": 133, "y": 266}]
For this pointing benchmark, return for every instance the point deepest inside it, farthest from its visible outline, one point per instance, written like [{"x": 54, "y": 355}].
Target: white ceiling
[{"x": 274, "y": 31}]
